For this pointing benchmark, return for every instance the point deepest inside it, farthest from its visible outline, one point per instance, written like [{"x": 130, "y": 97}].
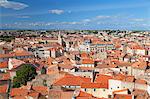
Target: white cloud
[
  {"x": 15, "y": 16},
  {"x": 24, "y": 17},
  {"x": 12, "y": 5},
  {"x": 56, "y": 11},
  {"x": 63, "y": 23},
  {"x": 96, "y": 19},
  {"x": 86, "y": 20},
  {"x": 138, "y": 20},
  {"x": 103, "y": 17}
]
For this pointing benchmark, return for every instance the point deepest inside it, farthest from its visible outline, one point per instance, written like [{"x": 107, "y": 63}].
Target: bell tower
[{"x": 59, "y": 38}]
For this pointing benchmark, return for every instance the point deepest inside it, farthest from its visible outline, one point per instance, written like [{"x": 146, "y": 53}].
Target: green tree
[
  {"x": 26, "y": 73},
  {"x": 7, "y": 38},
  {"x": 43, "y": 70}
]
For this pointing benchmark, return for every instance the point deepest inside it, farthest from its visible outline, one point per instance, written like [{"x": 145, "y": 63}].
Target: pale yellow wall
[{"x": 99, "y": 92}]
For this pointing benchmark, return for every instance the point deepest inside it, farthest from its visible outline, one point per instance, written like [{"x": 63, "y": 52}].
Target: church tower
[{"x": 59, "y": 38}]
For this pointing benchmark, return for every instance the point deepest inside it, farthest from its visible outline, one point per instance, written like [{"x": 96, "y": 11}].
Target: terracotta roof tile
[
  {"x": 137, "y": 92},
  {"x": 136, "y": 47},
  {"x": 120, "y": 63},
  {"x": 123, "y": 77},
  {"x": 92, "y": 85},
  {"x": 88, "y": 61},
  {"x": 33, "y": 94},
  {"x": 84, "y": 94},
  {"x": 17, "y": 53},
  {"x": 4, "y": 64},
  {"x": 140, "y": 65},
  {"x": 141, "y": 81},
  {"x": 117, "y": 91},
  {"x": 119, "y": 77},
  {"x": 130, "y": 79},
  {"x": 4, "y": 76},
  {"x": 41, "y": 89},
  {"x": 70, "y": 80},
  {"x": 19, "y": 97},
  {"x": 86, "y": 68},
  {"x": 66, "y": 66},
  {"x": 18, "y": 92},
  {"x": 122, "y": 96},
  {"x": 3, "y": 89},
  {"x": 84, "y": 55},
  {"x": 103, "y": 79},
  {"x": 60, "y": 94}
]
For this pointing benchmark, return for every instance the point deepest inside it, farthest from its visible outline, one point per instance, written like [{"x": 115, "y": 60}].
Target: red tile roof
[
  {"x": 41, "y": 89},
  {"x": 19, "y": 97},
  {"x": 136, "y": 47},
  {"x": 3, "y": 89},
  {"x": 70, "y": 80},
  {"x": 87, "y": 68},
  {"x": 84, "y": 94},
  {"x": 33, "y": 94},
  {"x": 22, "y": 53},
  {"x": 17, "y": 53},
  {"x": 140, "y": 65},
  {"x": 60, "y": 94},
  {"x": 121, "y": 63},
  {"x": 18, "y": 92},
  {"x": 123, "y": 77},
  {"x": 137, "y": 92},
  {"x": 119, "y": 77},
  {"x": 84, "y": 55},
  {"x": 66, "y": 66},
  {"x": 4, "y": 64},
  {"x": 122, "y": 96},
  {"x": 117, "y": 91},
  {"x": 103, "y": 79},
  {"x": 141, "y": 81},
  {"x": 129, "y": 79},
  {"x": 4, "y": 76},
  {"x": 92, "y": 85},
  {"x": 88, "y": 61}
]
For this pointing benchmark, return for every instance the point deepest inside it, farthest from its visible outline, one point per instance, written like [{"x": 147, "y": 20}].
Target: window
[
  {"x": 85, "y": 89},
  {"x": 103, "y": 89},
  {"x": 94, "y": 89},
  {"x": 118, "y": 87},
  {"x": 109, "y": 96}
]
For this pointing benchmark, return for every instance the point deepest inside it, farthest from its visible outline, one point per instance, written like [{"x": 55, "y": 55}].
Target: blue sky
[{"x": 75, "y": 14}]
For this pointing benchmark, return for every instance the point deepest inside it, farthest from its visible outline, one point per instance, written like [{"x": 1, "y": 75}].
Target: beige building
[{"x": 96, "y": 89}]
